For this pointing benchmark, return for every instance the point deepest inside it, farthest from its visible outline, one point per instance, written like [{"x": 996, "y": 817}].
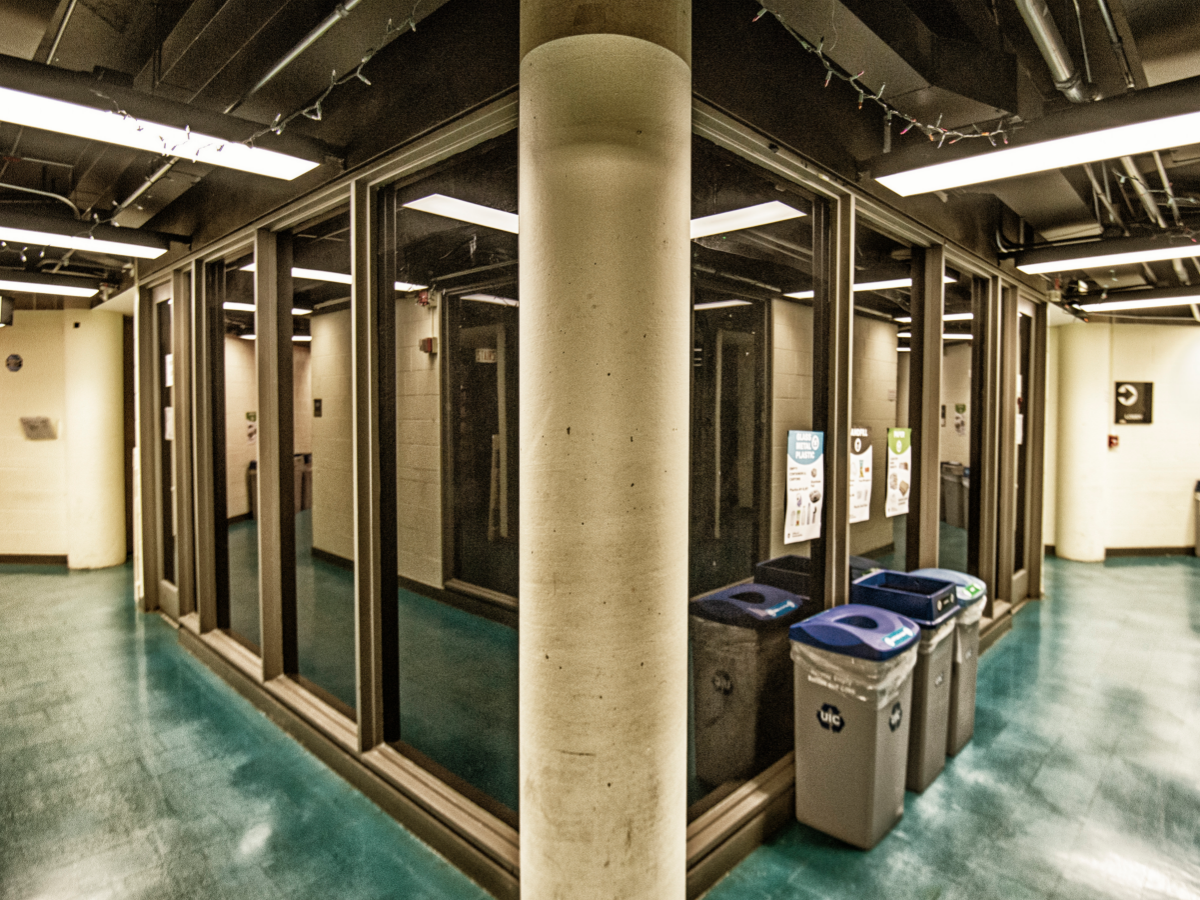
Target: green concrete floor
[{"x": 129, "y": 770}]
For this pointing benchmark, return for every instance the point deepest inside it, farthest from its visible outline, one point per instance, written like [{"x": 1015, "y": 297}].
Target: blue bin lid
[
  {"x": 967, "y": 588},
  {"x": 866, "y": 632},
  {"x": 927, "y": 601},
  {"x": 750, "y": 606}
]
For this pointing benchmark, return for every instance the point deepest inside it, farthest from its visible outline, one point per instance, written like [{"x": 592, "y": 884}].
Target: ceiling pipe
[
  {"x": 1054, "y": 50},
  {"x": 340, "y": 12},
  {"x": 1143, "y": 192},
  {"x": 1118, "y": 45},
  {"x": 1166, "y": 183}
]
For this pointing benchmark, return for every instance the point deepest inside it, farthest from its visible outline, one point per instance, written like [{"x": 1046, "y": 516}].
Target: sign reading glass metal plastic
[{"x": 1134, "y": 402}]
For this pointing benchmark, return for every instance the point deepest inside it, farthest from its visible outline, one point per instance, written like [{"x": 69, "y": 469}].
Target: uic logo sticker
[
  {"x": 896, "y": 717},
  {"x": 830, "y": 718}
]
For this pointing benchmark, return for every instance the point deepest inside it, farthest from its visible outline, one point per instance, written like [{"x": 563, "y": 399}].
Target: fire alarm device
[
  {"x": 428, "y": 345},
  {"x": 1114, "y": 441}
]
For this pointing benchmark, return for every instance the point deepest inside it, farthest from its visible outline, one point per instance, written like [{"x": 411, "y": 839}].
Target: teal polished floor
[
  {"x": 1082, "y": 781},
  {"x": 128, "y": 770}
]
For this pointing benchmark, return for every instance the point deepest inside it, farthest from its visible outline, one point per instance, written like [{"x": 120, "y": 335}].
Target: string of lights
[{"x": 935, "y": 132}]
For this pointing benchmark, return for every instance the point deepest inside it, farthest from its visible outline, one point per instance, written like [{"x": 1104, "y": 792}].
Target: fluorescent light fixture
[
  {"x": 249, "y": 307},
  {"x": 80, "y": 236},
  {"x": 110, "y": 127},
  {"x": 722, "y": 304},
  {"x": 946, "y": 336},
  {"x": 248, "y": 337},
  {"x": 55, "y": 285},
  {"x": 464, "y": 211},
  {"x": 948, "y": 317},
  {"x": 904, "y": 349},
  {"x": 491, "y": 298},
  {"x": 1148, "y": 299},
  {"x": 309, "y": 274},
  {"x": 747, "y": 217},
  {"x": 407, "y": 287},
  {"x": 305, "y": 338},
  {"x": 1057, "y": 153},
  {"x": 1101, "y": 254},
  {"x": 873, "y": 286}
]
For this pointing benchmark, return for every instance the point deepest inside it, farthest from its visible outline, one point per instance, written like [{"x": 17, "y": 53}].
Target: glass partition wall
[{"x": 755, "y": 286}]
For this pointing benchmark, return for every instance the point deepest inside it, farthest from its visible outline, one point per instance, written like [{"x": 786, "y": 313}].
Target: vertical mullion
[
  {"x": 1035, "y": 437},
  {"x": 276, "y": 480},
  {"x": 985, "y": 462},
  {"x": 834, "y": 332},
  {"x": 368, "y": 570},
  {"x": 924, "y": 404},
  {"x": 1006, "y": 511},
  {"x": 204, "y": 483},
  {"x": 146, "y": 357}
]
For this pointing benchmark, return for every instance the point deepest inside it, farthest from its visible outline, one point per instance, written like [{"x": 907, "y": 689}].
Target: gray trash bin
[
  {"x": 853, "y": 689},
  {"x": 742, "y": 679},
  {"x": 932, "y": 605},
  {"x": 952, "y": 495},
  {"x": 971, "y": 593}
]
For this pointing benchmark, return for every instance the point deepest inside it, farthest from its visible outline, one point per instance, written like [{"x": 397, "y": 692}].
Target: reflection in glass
[
  {"x": 955, "y": 444},
  {"x": 755, "y": 288},
  {"x": 167, "y": 431},
  {"x": 450, "y": 268},
  {"x": 322, "y": 461},
  {"x": 238, "y": 584}
]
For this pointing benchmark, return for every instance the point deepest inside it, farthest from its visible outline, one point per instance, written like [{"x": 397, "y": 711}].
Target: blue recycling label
[{"x": 897, "y": 637}]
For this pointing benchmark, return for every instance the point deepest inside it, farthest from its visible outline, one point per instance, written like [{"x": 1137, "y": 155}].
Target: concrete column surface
[
  {"x": 1084, "y": 411},
  {"x": 605, "y": 165},
  {"x": 95, "y": 417}
]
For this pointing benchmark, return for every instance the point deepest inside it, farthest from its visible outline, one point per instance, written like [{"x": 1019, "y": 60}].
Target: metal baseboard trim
[
  {"x": 999, "y": 628},
  {"x": 436, "y": 833}
]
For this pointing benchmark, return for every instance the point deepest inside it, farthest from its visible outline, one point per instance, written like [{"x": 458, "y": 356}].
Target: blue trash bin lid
[
  {"x": 751, "y": 606},
  {"x": 867, "y": 632},
  {"x": 927, "y": 601},
  {"x": 967, "y": 588}
]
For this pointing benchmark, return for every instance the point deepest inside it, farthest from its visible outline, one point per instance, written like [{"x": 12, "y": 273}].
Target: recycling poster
[
  {"x": 805, "y": 486},
  {"x": 899, "y": 470},
  {"x": 860, "y": 474}
]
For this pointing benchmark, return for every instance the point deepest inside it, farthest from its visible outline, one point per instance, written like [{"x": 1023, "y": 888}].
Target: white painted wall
[
  {"x": 874, "y": 406},
  {"x": 93, "y": 342},
  {"x": 791, "y": 405},
  {"x": 33, "y": 485},
  {"x": 1138, "y": 495},
  {"x": 956, "y": 388},
  {"x": 332, "y": 434},
  {"x": 1050, "y": 478},
  {"x": 241, "y": 397},
  {"x": 418, "y": 445}
]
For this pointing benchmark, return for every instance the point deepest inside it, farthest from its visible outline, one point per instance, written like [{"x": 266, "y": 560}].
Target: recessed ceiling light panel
[
  {"x": 747, "y": 217},
  {"x": 465, "y": 211}
]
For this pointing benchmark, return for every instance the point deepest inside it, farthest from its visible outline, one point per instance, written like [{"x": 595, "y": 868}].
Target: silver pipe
[
  {"x": 59, "y": 197},
  {"x": 62, "y": 29},
  {"x": 340, "y": 12},
  {"x": 1117, "y": 44},
  {"x": 1113, "y": 214},
  {"x": 1054, "y": 50},
  {"x": 146, "y": 185},
  {"x": 1180, "y": 271},
  {"x": 1162, "y": 173},
  {"x": 1143, "y": 192}
]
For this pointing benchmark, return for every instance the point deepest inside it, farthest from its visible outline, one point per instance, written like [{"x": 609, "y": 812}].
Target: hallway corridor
[{"x": 128, "y": 770}]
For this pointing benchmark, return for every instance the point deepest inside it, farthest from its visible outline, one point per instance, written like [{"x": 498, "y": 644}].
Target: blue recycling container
[
  {"x": 853, "y": 687},
  {"x": 926, "y": 600},
  {"x": 742, "y": 679},
  {"x": 794, "y": 573}
]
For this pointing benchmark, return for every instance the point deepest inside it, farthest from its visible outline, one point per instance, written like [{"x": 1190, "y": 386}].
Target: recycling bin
[
  {"x": 741, "y": 679},
  {"x": 932, "y": 605},
  {"x": 952, "y": 495},
  {"x": 853, "y": 688},
  {"x": 794, "y": 573},
  {"x": 971, "y": 594}
]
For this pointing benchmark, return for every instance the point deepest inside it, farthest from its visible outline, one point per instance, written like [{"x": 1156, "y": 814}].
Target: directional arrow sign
[
  {"x": 1133, "y": 402},
  {"x": 1127, "y": 395}
]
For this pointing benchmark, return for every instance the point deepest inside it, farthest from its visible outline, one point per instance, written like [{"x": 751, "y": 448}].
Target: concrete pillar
[
  {"x": 1085, "y": 397},
  {"x": 605, "y": 147},
  {"x": 95, "y": 419}
]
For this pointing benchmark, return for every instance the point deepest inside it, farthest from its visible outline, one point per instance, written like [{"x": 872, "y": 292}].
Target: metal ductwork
[{"x": 1046, "y": 35}]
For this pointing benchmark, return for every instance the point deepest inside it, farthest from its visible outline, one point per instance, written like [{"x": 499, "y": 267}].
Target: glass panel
[
  {"x": 880, "y": 397},
  {"x": 454, "y": 280},
  {"x": 238, "y": 585},
  {"x": 323, "y": 461},
  {"x": 747, "y": 334},
  {"x": 955, "y": 444},
  {"x": 1024, "y": 338},
  {"x": 166, "y": 374}
]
